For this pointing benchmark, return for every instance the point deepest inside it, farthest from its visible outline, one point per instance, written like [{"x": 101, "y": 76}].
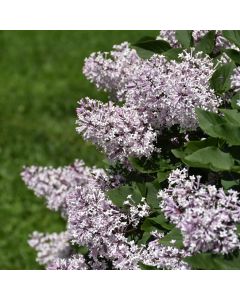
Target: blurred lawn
[{"x": 40, "y": 82}]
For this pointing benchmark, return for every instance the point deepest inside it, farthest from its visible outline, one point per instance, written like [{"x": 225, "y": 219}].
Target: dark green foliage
[
  {"x": 208, "y": 153},
  {"x": 173, "y": 238},
  {"x": 153, "y": 45},
  {"x": 208, "y": 261},
  {"x": 173, "y": 53},
  {"x": 206, "y": 44},
  {"x": 185, "y": 38},
  {"x": 233, "y": 36},
  {"x": 146, "y": 267},
  {"x": 220, "y": 80},
  {"x": 234, "y": 101},
  {"x": 234, "y": 55},
  {"x": 119, "y": 195}
]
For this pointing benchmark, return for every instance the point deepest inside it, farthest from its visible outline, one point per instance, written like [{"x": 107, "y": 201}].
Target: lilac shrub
[{"x": 171, "y": 189}]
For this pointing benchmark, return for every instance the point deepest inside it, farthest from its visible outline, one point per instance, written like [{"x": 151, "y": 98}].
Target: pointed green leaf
[
  {"x": 162, "y": 176},
  {"x": 220, "y": 80},
  {"x": 184, "y": 37},
  {"x": 143, "y": 53},
  {"x": 151, "y": 44},
  {"x": 173, "y": 238},
  {"x": 207, "y": 120},
  {"x": 119, "y": 195},
  {"x": 232, "y": 116},
  {"x": 173, "y": 54},
  {"x": 233, "y": 36},
  {"x": 235, "y": 101},
  {"x": 210, "y": 158},
  {"x": 234, "y": 55},
  {"x": 228, "y": 184},
  {"x": 207, "y": 42},
  {"x": 151, "y": 197},
  {"x": 147, "y": 166},
  {"x": 207, "y": 261},
  {"x": 146, "y": 267},
  {"x": 229, "y": 133},
  {"x": 162, "y": 221}
]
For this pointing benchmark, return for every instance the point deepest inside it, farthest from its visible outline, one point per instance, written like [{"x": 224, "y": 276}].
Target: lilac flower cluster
[
  {"x": 119, "y": 131},
  {"x": 157, "y": 93},
  {"x": 205, "y": 215},
  {"x": 137, "y": 212},
  {"x": 170, "y": 37},
  {"x": 50, "y": 246},
  {"x": 109, "y": 71},
  {"x": 164, "y": 90},
  {"x": 170, "y": 91},
  {"x": 56, "y": 183},
  {"x": 74, "y": 262},
  {"x": 93, "y": 221}
]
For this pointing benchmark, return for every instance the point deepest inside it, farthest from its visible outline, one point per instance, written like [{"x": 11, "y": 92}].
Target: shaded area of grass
[{"x": 41, "y": 81}]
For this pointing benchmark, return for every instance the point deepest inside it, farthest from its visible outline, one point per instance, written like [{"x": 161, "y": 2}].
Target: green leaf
[
  {"x": 147, "y": 166},
  {"x": 229, "y": 133},
  {"x": 151, "y": 197},
  {"x": 207, "y": 261},
  {"x": 202, "y": 261},
  {"x": 220, "y": 80},
  {"x": 232, "y": 116},
  {"x": 162, "y": 176},
  {"x": 235, "y": 100},
  {"x": 149, "y": 226},
  {"x": 146, "y": 267},
  {"x": 80, "y": 249},
  {"x": 162, "y": 221},
  {"x": 83, "y": 250},
  {"x": 184, "y": 37},
  {"x": 173, "y": 235},
  {"x": 145, "y": 237},
  {"x": 210, "y": 158},
  {"x": 233, "y": 54},
  {"x": 119, "y": 195},
  {"x": 142, "y": 188},
  {"x": 207, "y": 42},
  {"x": 178, "y": 153},
  {"x": 233, "y": 36},
  {"x": 143, "y": 53},
  {"x": 151, "y": 44},
  {"x": 226, "y": 128},
  {"x": 238, "y": 228},
  {"x": 193, "y": 146},
  {"x": 228, "y": 184},
  {"x": 207, "y": 120},
  {"x": 173, "y": 54},
  {"x": 158, "y": 222}
]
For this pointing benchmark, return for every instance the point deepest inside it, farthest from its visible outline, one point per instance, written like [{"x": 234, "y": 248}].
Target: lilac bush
[{"x": 170, "y": 193}]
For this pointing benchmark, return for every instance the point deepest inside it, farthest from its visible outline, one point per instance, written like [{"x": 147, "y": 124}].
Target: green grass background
[{"x": 41, "y": 81}]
